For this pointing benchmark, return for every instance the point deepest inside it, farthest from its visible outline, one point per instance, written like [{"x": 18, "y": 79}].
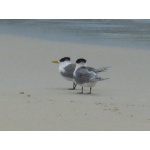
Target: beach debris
[{"x": 21, "y": 92}]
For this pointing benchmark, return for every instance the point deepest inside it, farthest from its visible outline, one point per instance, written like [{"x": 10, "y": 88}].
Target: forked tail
[
  {"x": 103, "y": 69},
  {"x": 99, "y": 79}
]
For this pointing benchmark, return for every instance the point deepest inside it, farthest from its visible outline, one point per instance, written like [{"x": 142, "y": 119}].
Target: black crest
[
  {"x": 64, "y": 59},
  {"x": 81, "y": 60}
]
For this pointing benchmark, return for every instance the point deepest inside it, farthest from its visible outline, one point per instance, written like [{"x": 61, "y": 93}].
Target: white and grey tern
[
  {"x": 87, "y": 76},
  {"x": 66, "y": 69}
]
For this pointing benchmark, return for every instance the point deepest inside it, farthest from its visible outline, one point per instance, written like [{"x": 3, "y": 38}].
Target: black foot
[
  {"x": 71, "y": 89},
  {"x": 80, "y": 93},
  {"x": 89, "y": 93}
]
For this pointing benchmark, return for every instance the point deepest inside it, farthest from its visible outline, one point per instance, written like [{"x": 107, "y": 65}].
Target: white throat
[{"x": 79, "y": 65}]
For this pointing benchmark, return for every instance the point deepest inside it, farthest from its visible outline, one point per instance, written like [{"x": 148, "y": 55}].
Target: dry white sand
[{"x": 33, "y": 96}]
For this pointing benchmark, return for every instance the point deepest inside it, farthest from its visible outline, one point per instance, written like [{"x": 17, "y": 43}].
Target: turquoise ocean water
[{"x": 126, "y": 33}]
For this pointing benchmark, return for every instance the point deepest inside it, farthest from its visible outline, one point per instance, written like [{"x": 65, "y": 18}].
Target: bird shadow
[
  {"x": 64, "y": 89},
  {"x": 85, "y": 93},
  {"x": 78, "y": 92}
]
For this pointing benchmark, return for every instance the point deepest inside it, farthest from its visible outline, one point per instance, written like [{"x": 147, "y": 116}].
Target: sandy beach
[{"x": 33, "y": 95}]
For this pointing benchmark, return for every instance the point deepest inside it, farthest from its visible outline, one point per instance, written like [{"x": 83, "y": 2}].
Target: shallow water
[{"x": 128, "y": 33}]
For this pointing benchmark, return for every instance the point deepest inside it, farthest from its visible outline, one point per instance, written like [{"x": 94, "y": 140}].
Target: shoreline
[
  {"x": 77, "y": 42},
  {"x": 35, "y": 97}
]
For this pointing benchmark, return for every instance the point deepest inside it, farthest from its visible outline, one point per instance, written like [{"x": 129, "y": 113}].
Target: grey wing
[
  {"x": 98, "y": 70},
  {"x": 69, "y": 70},
  {"x": 84, "y": 75},
  {"x": 92, "y": 69}
]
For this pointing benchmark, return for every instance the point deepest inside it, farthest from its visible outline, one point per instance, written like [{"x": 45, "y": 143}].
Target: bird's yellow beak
[{"x": 55, "y": 61}]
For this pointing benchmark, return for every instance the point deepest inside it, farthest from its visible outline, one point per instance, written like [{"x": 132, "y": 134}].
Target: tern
[
  {"x": 87, "y": 76},
  {"x": 66, "y": 69}
]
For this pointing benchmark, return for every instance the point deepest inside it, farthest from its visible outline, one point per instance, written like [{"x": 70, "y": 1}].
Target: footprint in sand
[
  {"x": 24, "y": 93},
  {"x": 21, "y": 92}
]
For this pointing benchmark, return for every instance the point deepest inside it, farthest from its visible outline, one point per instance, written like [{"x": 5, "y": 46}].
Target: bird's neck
[
  {"x": 79, "y": 65},
  {"x": 63, "y": 65}
]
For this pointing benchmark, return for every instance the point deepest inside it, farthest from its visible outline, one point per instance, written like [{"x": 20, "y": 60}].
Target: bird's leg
[
  {"x": 90, "y": 90},
  {"x": 74, "y": 86},
  {"x": 81, "y": 91}
]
